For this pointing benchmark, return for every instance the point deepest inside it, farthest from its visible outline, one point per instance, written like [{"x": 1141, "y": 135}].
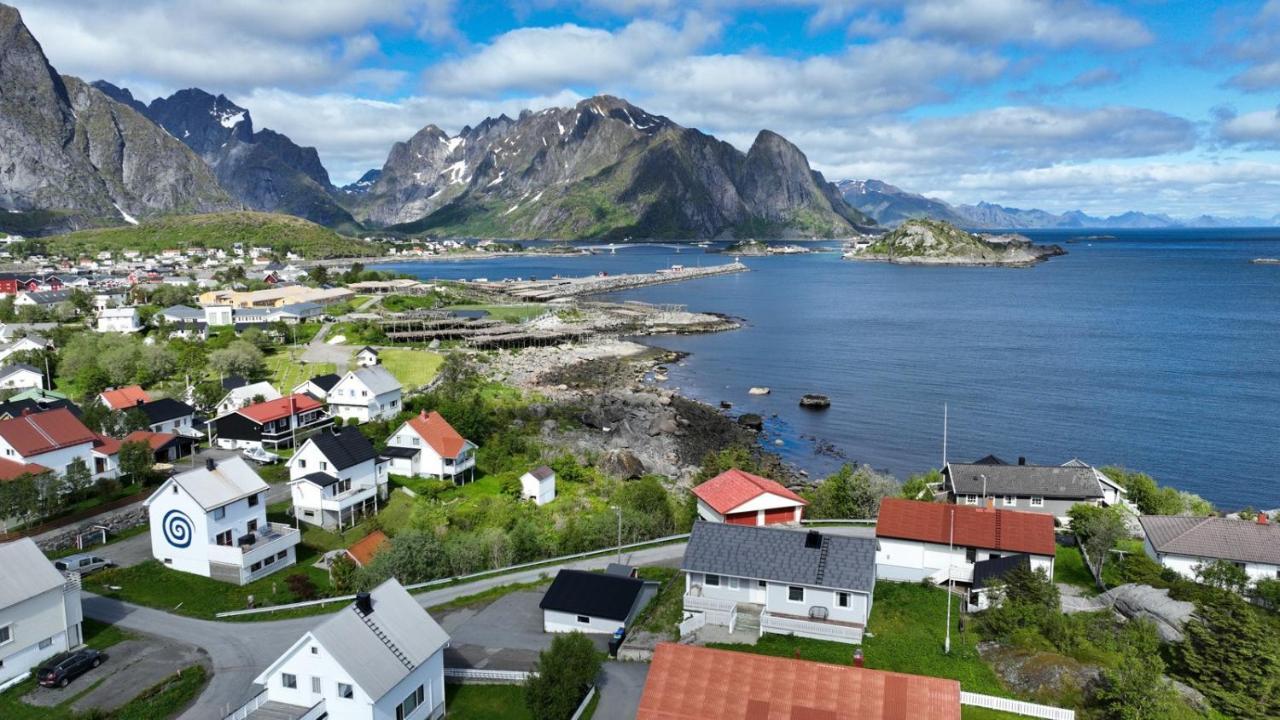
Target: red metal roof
[
  {"x": 125, "y": 397},
  {"x": 438, "y": 433},
  {"x": 104, "y": 445},
  {"x": 687, "y": 682},
  {"x": 10, "y": 470},
  {"x": 734, "y": 487},
  {"x": 154, "y": 440},
  {"x": 363, "y": 550},
  {"x": 265, "y": 412},
  {"x": 42, "y": 432},
  {"x": 977, "y": 527}
]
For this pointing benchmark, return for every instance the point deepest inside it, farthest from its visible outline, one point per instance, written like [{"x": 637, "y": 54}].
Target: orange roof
[
  {"x": 279, "y": 408},
  {"x": 153, "y": 439},
  {"x": 438, "y": 433},
  {"x": 977, "y": 527},
  {"x": 10, "y": 470},
  {"x": 125, "y": 397},
  {"x": 36, "y": 433},
  {"x": 687, "y": 682},
  {"x": 104, "y": 445},
  {"x": 732, "y": 488},
  {"x": 366, "y": 547}
]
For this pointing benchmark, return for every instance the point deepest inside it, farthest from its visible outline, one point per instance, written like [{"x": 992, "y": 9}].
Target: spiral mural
[{"x": 177, "y": 528}]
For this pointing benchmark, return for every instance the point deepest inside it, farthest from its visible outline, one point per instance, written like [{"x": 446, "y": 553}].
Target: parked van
[{"x": 83, "y": 563}]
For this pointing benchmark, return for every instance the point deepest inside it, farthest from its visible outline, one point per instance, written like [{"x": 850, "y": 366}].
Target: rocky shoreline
[{"x": 928, "y": 242}]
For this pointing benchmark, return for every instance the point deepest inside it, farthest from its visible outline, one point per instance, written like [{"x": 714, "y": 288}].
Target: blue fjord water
[{"x": 1157, "y": 350}]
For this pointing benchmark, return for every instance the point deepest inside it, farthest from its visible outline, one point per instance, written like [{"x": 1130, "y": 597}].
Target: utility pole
[
  {"x": 951, "y": 583},
  {"x": 944, "y": 435}
]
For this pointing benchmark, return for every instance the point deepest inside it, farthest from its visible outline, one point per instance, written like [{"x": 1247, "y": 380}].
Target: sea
[{"x": 1156, "y": 350}]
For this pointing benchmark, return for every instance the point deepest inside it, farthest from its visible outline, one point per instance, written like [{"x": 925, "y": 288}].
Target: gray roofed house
[
  {"x": 40, "y": 613},
  {"x": 807, "y": 583},
  {"x": 181, "y": 314},
  {"x": 25, "y": 572},
  {"x": 367, "y": 393},
  {"x": 1181, "y": 542},
  {"x": 1050, "y": 489}
]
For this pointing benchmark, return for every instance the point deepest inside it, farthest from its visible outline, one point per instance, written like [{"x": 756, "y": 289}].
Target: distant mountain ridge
[
  {"x": 602, "y": 168},
  {"x": 892, "y": 206}
]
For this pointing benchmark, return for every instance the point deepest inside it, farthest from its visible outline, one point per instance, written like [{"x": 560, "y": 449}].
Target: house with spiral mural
[{"x": 212, "y": 521}]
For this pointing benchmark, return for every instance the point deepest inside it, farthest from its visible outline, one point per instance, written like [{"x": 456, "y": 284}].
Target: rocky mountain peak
[{"x": 204, "y": 122}]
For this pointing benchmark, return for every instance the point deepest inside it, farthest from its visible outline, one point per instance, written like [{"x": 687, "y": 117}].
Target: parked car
[
  {"x": 62, "y": 669},
  {"x": 84, "y": 563},
  {"x": 260, "y": 455}
]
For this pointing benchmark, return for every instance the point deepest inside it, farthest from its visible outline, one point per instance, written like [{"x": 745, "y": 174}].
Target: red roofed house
[
  {"x": 740, "y": 498},
  {"x": 362, "y": 552},
  {"x": 941, "y": 541},
  {"x": 124, "y": 398},
  {"x": 53, "y": 439},
  {"x": 10, "y": 470},
  {"x": 687, "y": 682},
  {"x": 165, "y": 447},
  {"x": 428, "y": 446},
  {"x": 272, "y": 424}
]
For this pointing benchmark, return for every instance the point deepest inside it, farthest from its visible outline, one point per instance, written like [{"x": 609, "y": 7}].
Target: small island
[
  {"x": 1265, "y": 261},
  {"x": 753, "y": 247},
  {"x": 932, "y": 242}
]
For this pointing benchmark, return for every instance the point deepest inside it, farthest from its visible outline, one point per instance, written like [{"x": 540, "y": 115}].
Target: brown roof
[
  {"x": 154, "y": 440},
  {"x": 10, "y": 470},
  {"x": 365, "y": 548},
  {"x": 977, "y": 527},
  {"x": 687, "y": 682},
  {"x": 43, "y": 432},
  {"x": 1213, "y": 537},
  {"x": 125, "y": 397},
  {"x": 734, "y": 487},
  {"x": 104, "y": 445},
  {"x": 438, "y": 433},
  {"x": 265, "y": 412}
]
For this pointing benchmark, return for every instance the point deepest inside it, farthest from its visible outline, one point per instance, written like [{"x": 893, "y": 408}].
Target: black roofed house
[
  {"x": 987, "y": 577},
  {"x": 1182, "y": 543},
  {"x": 1050, "y": 489},
  {"x": 337, "y": 478},
  {"x": 366, "y": 356},
  {"x": 810, "y": 584},
  {"x": 591, "y": 602},
  {"x": 169, "y": 415},
  {"x": 318, "y": 387}
]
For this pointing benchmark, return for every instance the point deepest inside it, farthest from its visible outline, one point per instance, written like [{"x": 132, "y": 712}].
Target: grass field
[
  {"x": 285, "y": 373},
  {"x": 486, "y": 702},
  {"x": 1069, "y": 569},
  {"x": 413, "y": 368},
  {"x": 663, "y": 613},
  {"x": 509, "y": 313}
]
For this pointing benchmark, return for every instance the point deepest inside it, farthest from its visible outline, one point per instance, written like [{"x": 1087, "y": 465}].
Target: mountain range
[{"x": 891, "y": 206}]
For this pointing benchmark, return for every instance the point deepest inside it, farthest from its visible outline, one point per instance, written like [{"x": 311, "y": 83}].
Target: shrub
[
  {"x": 564, "y": 673},
  {"x": 301, "y": 586}
]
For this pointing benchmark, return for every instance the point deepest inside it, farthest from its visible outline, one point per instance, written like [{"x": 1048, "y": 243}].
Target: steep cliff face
[
  {"x": 603, "y": 168},
  {"x": 70, "y": 156}
]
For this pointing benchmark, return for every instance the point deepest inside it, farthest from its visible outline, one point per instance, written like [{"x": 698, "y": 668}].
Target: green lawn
[
  {"x": 285, "y": 373},
  {"x": 666, "y": 609},
  {"x": 486, "y": 702},
  {"x": 508, "y": 313},
  {"x": 1069, "y": 569},
  {"x": 100, "y": 636},
  {"x": 167, "y": 698},
  {"x": 391, "y": 515},
  {"x": 413, "y": 368}
]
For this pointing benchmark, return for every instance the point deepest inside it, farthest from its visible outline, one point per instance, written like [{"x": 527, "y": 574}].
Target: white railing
[
  {"x": 714, "y": 611},
  {"x": 244, "y": 710},
  {"x": 693, "y": 623},
  {"x": 582, "y": 706},
  {"x": 315, "y": 713},
  {"x": 1017, "y": 707},
  {"x": 481, "y": 675},
  {"x": 808, "y": 628}
]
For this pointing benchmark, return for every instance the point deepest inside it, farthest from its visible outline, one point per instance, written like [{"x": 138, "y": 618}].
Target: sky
[{"x": 1169, "y": 107}]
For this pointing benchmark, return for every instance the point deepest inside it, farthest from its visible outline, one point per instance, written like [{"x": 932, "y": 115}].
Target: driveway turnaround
[{"x": 131, "y": 667}]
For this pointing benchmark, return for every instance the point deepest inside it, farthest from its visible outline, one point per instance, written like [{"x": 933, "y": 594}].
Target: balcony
[
  {"x": 267, "y": 541},
  {"x": 356, "y": 495},
  {"x": 817, "y": 629}
]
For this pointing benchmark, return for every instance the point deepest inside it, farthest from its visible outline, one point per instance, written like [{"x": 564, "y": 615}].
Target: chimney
[
  {"x": 210, "y": 464},
  {"x": 364, "y": 603},
  {"x": 813, "y": 539},
  {"x": 1022, "y": 460}
]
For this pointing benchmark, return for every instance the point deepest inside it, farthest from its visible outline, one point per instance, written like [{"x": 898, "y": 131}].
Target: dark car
[{"x": 64, "y": 668}]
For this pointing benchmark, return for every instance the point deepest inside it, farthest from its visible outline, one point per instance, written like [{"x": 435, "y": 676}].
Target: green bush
[{"x": 564, "y": 674}]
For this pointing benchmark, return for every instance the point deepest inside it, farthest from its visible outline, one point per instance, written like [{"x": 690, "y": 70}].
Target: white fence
[
  {"x": 582, "y": 706},
  {"x": 770, "y": 623},
  {"x": 693, "y": 623},
  {"x": 481, "y": 675},
  {"x": 1017, "y": 707},
  {"x": 256, "y": 702},
  {"x": 713, "y": 611}
]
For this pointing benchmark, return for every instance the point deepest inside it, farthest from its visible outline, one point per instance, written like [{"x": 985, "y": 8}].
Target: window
[
  {"x": 302, "y": 463},
  {"x": 219, "y": 513},
  {"x": 251, "y": 526},
  {"x": 255, "y": 567},
  {"x": 345, "y": 692},
  {"x": 584, "y": 619},
  {"x": 224, "y": 538},
  {"x": 415, "y": 442},
  {"x": 315, "y": 650},
  {"x": 269, "y": 561},
  {"x": 282, "y": 554},
  {"x": 324, "y": 465},
  {"x": 6, "y": 634},
  {"x": 1037, "y": 501},
  {"x": 289, "y": 680},
  {"x": 45, "y": 643},
  {"x": 712, "y": 580},
  {"x": 733, "y": 583},
  {"x": 315, "y": 682},
  {"x": 993, "y": 556},
  {"x": 795, "y": 594},
  {"x": 253, "y": 501},
  {"x": 761, "y": 584},
  {"x": 842, "y": 599},
  {"x": 411, "y": 703},
  {"x": 970, "y": 554},
  {"x": 1010, "y": 501}
]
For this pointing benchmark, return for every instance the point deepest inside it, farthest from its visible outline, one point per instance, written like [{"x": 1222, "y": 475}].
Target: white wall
[
  {"x": 40, "y": 618},
  {"x": 55, "y": 460},
  {"x": 777, "y": 602},
  {"x": 430, "y": 675},
  {"x": 706, "y": 512},
  {"x": 194, "y": 558},
  {"x": 555, "y": 621},
  {"x": 911, "y": 560},
  {"x": 540, "y": 491},
  {"x": 1185, "y": 565},
  {"x": 24, "y": 379}
]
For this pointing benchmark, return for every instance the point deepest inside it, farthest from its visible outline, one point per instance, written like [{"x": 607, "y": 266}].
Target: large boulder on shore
[
  {"x": 1143, "y": 601},
  {"x": 623, "y": 464}
]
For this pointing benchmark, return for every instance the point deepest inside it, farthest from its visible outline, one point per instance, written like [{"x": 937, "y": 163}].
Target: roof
[
  {"x": 375, "y": 377},
  {"x": 977, "y": 527},
  {"x": 365, "y": 548},
  {"x": 45, "y": 431},
  {"x": 16, "y": 407},
  {"x": 125, "y": 397},
  {"x": 264, "y": 412},
  {"x": 367, "y": 349},
  {"x": 231, "y": 382},
  {"x": 1213, "y": 537},
  {"x": 321, "y": 479},
  {"x": 231, "y": 479},
  {"x": 104, "y": 445},
  {"x": 438, "y": 433},
  {"x": 249, "y": 391},
  {"x": 15, "y": 368},
  {"x": 542, "y": 472},
  {"x": 686, "y": 682},
  {"x": 302, "y": 308},
  {"x": 987, "y": 571},
  {"x": 344, "y": 448},
  {"x": 25, "y": 572},
  {"x": 154, "y": 440},
  {"x": 381, "y": 649},
  {"x": 766, "y": 553},
  {"x": 586, "y": 593},
  {"x": 158, "y": 411},
  {"x": 49, "y": 297},
  {"x": 183, "y": 312},
  {"x": 392, "y": 451},
  {"x": 11, "y": 470},
  {"x": 734, "y": 487},
  {"x": 1051, "y": 481},
  {"x": 324, "y": 382}
]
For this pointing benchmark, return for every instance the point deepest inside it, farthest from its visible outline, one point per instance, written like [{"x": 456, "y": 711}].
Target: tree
[
  {"x": 412, "y": 557},
  {"x": 319, "y": 275},
  {"x": 133, "y": 420},
  {"x": 1268, "y": 591},
  {"x": 1224, "y": 575},
  {"x": 920, "y": 486},
  {"x": 342, "y": 573},
  {"x": 1136, "y": 688},
  {"x": 456, "y": 373},
  {"x": 78, "y": 477},
  {"x": 850, "y": 494},
  {"x": 1229, "y": 655},
  {"x": 1022, "y": 598},
  {"x": 1098, "y": 529},
  {"x": 562, "y": 677},
  {"x": 238, "y": 358},
  {"x": 137, "y": 461}
]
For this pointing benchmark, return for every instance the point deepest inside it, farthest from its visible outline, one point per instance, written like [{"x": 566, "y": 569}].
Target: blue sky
[{"x": 1060, "y": 104}]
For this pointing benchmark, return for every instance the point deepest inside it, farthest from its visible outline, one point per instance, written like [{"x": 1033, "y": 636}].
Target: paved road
[
  {"x": 319, "y": 351},
  {"x": 620, "y": 690}
]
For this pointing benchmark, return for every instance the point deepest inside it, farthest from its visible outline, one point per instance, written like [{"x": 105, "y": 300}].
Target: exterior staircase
[{"x": 748, "y": 619}]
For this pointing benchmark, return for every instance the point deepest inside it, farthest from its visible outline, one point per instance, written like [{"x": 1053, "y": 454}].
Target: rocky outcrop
[
  {"x": 1143, "y": 601},
  {"x": 74, "y": 157},
  {"x": 1039, "y": 674},
  {"x": 603, "y": 168},
  {"x": 930, "y": 242}
]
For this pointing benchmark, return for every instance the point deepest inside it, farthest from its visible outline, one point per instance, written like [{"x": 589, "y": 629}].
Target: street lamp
[{"x": 618, "y": 510}]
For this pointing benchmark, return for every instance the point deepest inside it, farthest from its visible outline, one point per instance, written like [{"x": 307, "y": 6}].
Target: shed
[
  {"x": 590, "y": 602},
  {"x": 538, "y": 485}
]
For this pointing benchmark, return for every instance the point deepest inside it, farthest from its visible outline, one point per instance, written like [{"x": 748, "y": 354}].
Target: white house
[
  {"x": 366, "y": 357},
  {"x": 370, "y": 393},
  {"x": 245, "y": 395},
  {"x": 336, "y": 478},
  {"x": 212, "y": 521},
  {"x": 119, "y": 320},
  {"x": 218, "y": 315},
  {"x": 740, "y": 498},
  {"x": 538, "y": 485},
  {"x": 940, "y": 542},
  {"x": 40, "y": 612},
  {"x": 428, "y": 446},
  {"x": 987, "y": 578},
  {"x": 581, "y": 601},
  {"x": 23, "y": 344},
  {"x": 381, "y": 658},
  {"x": 1184, "y": 544},
  {"x": 317, "y": 387},
  {"x": 788, "y": 582},
  {"x": 53, "y": 439},
  {"x": 21, "y": 376}
]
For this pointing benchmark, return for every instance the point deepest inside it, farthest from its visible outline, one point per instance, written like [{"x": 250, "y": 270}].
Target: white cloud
[
  {"x": 1032, "y": 22},
  {"x": 1257, "y": 47},
  {"x": 1257, "y": 130}
]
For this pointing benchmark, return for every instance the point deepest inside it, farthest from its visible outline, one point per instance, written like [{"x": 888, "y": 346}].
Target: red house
[{"x": 740, "y": 498}]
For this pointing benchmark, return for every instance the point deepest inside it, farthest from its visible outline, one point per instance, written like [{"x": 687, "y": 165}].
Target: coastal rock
[
  {"x": 1143, "y": 601},
  {"x": 758, "y": 391},
  {"x": 623, "y": 464},
  {"x": 751, "y": 421},
  {"x": 931, "y": 242},
  {"x": 814, "y": 401},
  {"x": 663, "y": 426},
  {"x": 1036, "y": 673}
]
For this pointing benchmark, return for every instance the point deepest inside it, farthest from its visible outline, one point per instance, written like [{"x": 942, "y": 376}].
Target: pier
[{"x": 552, "y": 289}]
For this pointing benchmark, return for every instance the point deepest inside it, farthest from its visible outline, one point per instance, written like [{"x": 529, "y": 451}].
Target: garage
[{"x": 745, "y": 518}]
